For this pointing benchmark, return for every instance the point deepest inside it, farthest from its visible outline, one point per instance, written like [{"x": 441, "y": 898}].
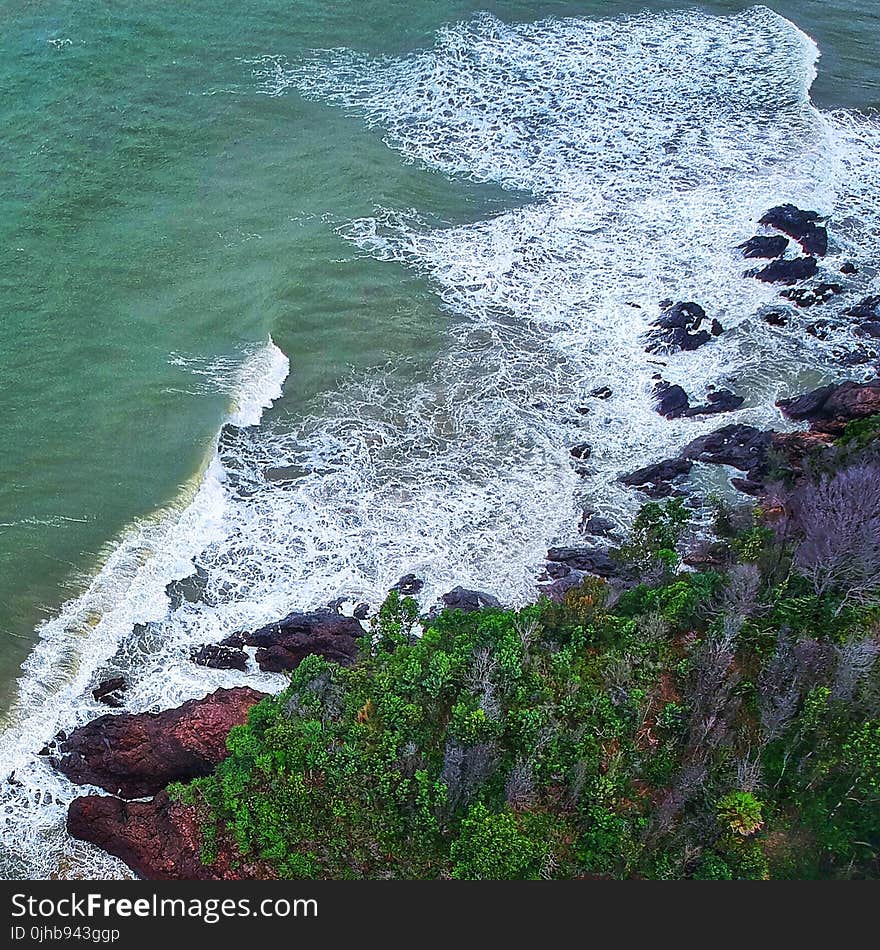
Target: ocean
[{"x": 385, "y": 252}]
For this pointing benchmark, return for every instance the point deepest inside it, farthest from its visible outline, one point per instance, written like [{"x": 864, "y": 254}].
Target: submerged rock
[
  {"x": 189, "y": 589},
  {"x": 135, "y": 755},
  {"x": 283, "y": 645}
]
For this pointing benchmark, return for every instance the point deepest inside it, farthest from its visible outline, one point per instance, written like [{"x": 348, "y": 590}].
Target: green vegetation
[{"x": 715, "y": 725}]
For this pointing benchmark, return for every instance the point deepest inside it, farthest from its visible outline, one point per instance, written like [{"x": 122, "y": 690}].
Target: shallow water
[{"x": 454, "y": 220}]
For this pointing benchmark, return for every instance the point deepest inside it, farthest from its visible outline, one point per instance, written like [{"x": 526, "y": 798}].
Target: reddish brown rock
[
  {"x": 137, "y": 755},
  {"x": 830, "y": 408},
  {"x": 160, "y": 840}
]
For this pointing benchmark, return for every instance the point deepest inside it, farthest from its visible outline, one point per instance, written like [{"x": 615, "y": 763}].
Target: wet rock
[
  {"x": 219, "y": 657},
  {"x": 585, "y": 559},
  {"x": 848, "y": 268},
  {"x": 739, "y": 446},
  {"x": 776, "y": 319},
  {"x": 188, "y": 589},
  {"x": 603, "y": 392},
  {"x": 283, "y": 473},
  {"x": 764, "y": 246},
  {"x": 581, "y": 451},
  {"x": 719, "y": 400},
  {"x": 409, "y": 585},
  {"x": 829, "y": 408},
  {"x": 678, "y": 328},
  {"x": 361, "y": 611},
  {"x": 460, "y": 598},
  {"x": 870, "y": 328},
  {"x": 159, "y": 840},
  {"x": 135, "y": 755},
  {"x": 801, "y": 225},
  {"x": 671, "y": 401},
  {"x": 804, "y": 297},
  {"x": 658, "y": 473},
  {"x": 110, "y": 692},
  {"x": 787, "y": 272},
  {"x": 234, "y": 640},
  {"x": 866, "y": 310},
  {"x": 283, "y": 645},
  {"x": 597, "y": 525}
]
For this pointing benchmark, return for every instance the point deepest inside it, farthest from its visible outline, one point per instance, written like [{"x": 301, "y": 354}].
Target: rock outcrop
[
  {"x": 829, "y": 408},
  {"x": 160, "y": 840},
  {"x": 136, "y": 755},
  {"x": 282, "y": 646}
]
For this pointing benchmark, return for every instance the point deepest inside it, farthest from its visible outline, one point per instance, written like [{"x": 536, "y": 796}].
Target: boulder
[
  {"x": 787, "y": 271},
  {"x": 110, "y": 692},
  {"x": 459, "y": 598},
  {"x": 603, "y": 392},
  {"x": 409, "y": 585},
  {"x": 867, "y": 309},
  {"x": 658, "y": 473},
  {"x": 581, "y": 451},
  {"x": 160, "y": 840},
  {"x": 135, "y": 755},
  {"x": 829, "y": 408},
  {"x": 719, "y": 400},
  {"x": 671, "y": 401},
  {"x": 740, "y": 446},
  {"x": 220, "y": 657},
  {"x": 283, "y": 645},
  {"x": 678, "y": 328},
  {"x": 764, "y": 246},
  {"x": 582, "y": 558},
  {"x": 597, "y": 525}
]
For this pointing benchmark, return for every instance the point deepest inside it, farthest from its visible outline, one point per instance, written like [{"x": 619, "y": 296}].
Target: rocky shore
[{"x": 134, "y": 757}]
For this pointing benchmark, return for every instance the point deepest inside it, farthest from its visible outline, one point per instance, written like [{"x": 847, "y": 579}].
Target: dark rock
[
  {"x": 588, "y": 560},
  {"x": 219, "y": 657},
  {"x": 787, "y": 272},
  {"x": 137, "y": 755},
  {"x": 581, "y": 451},
  {"x": 583, "y": 410},
  {"x": 361, "y": 612},
  {"x": 866, "y": 310},
  {"x": 811, "y": 296},
  {"x": 409, "y": 585},
  {"x": 820, "y": 329},
  {"x": 188, "y": 589},
  {"x": 160, "y": 840},
  {"x": 283, "y": 473},
  {"x": 829, "y": 408},
  {"x": 678, "y": 328},
  {"x": 764, "y": 246},
  {"x": 720, "y": 400},
  {"x": 659, "y": 473},
  {"x": 748, "y": 486},
  {"x": 234, "y": 640},
  {"x": 603, "y": 392},
  {"x": 671, "y": 401},
  {"x": 848, "y": 268},
  {"x": 460, "y": 598},
  {"x": 597, "y": 525},
  {"x": 871, "y": 329},
  {"x": 109, "y": 692},
  {"x": 801, "y": 225},
  {"x": 740, "y": 446},
  {"x": 283, "y": 645},
  {"x": 776, "y": 319},
  {"x": 716, "y": 328}
]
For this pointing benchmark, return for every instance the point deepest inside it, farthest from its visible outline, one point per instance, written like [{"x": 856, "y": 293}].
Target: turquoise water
[{"x": 183, "y": 182}]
